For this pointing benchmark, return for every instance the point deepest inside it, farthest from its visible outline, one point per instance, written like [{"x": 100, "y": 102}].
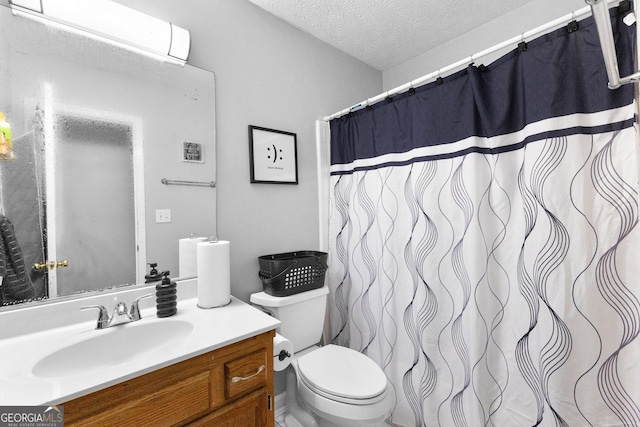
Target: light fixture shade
[{"x": 111, "y": 20}]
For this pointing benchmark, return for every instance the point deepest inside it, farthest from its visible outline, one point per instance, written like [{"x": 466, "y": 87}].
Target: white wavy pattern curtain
[
  {"x": 484, "y": 247},
  {"x": 497, "y": 289}
]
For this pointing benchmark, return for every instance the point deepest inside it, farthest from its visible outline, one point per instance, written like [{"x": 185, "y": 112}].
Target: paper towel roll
[
  {"x": 282, "y": 352},
  {"x": 214, "y": 281},
  {"x": 188, "y": 255}
]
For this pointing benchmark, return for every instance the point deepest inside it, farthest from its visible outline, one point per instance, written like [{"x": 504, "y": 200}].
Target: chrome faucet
[{"x": 120, "y": 313}]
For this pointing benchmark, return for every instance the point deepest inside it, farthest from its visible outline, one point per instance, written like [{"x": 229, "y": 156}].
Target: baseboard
[{"x": 280, "y": 404}]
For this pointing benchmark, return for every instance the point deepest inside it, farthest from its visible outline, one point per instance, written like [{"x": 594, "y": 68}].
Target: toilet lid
[{"x": 342, "y": 372}]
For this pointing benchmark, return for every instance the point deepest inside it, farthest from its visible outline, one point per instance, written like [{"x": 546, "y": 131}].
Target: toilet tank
[{"x": 302, "y": 315}]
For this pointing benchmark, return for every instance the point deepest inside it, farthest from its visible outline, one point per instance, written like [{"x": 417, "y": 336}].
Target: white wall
[
  {"x": 267, "y": 74},
  {"x": 514, "y": 23},
  {"x": 271, "y": 74}
]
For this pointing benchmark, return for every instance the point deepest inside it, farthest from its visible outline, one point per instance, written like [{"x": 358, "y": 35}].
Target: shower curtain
[{"x": 483, "y": 241}]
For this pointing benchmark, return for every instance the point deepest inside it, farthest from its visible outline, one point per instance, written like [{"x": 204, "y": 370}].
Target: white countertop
[{"x": 212, "y": 329}]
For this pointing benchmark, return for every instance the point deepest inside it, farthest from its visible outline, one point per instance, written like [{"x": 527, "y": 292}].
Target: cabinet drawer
[{"x": 245, "y": 373}]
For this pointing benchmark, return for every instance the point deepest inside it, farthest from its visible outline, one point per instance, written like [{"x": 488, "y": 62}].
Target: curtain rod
[
  {"x": 600, "y": 12},
  {"x": 512, "y": 41}
]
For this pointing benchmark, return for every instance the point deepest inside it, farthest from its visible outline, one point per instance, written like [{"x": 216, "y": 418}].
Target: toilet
[{"x": 329, "y": 386}]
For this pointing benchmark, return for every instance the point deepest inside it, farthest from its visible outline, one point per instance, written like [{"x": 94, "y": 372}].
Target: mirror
[{"x": 95, "y": 131}]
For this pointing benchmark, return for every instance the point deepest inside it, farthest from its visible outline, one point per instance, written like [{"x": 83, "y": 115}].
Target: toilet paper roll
[
  {"x": 282, "y": 352},
  {"x": 188, "y": 255},
  {"x": 214, "y": 281}
]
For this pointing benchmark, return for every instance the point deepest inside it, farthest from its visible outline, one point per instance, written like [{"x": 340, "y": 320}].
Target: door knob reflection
[
  {"x": 38, "y": 267},
  {"x": 50, "y": 264}
]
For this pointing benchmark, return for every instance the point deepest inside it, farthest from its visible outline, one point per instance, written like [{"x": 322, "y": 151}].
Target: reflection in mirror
[
  {"x": 95, "y": 129},
  {"x": 87, "y": 212}
]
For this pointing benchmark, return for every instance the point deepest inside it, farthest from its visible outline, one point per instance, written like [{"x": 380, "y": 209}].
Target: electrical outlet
[{"x": 163, "y": 215}]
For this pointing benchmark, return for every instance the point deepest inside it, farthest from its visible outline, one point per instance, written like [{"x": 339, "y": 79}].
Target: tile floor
[{"x": 280, "y": 421}]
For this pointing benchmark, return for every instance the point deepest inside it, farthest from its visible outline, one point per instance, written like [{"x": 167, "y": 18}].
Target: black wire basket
[{"x": 292, "y": 272}]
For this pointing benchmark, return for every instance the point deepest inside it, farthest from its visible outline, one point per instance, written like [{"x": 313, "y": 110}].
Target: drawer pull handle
[{"x": 238, "y": 379}]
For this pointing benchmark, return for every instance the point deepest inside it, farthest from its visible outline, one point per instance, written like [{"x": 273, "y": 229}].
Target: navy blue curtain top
[{"x": 560, "y": 73}]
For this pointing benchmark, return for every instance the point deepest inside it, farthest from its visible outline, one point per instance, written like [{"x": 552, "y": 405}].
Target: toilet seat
[{"x": 342, "y": 374}]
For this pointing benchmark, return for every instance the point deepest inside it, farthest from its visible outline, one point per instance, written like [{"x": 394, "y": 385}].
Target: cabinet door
[
  {"x": 250, "y": 411},
  {"x": 167, "y": 406}
]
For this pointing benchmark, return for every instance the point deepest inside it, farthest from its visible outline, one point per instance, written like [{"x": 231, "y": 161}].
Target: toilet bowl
[
  {"x": 327, "y": 386},
  {"x": 342, "y": 387}
]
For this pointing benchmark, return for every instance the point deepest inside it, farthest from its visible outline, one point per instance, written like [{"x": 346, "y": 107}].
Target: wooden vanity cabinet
[{"x": 230, "y": 386}]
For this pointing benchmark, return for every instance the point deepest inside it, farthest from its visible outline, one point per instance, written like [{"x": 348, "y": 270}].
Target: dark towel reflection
[{"x": 16, "y": 284}]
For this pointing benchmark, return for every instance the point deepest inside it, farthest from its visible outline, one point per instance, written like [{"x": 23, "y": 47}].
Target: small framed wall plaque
[
  {"x": 192, "y": 152},
  {"x": 273, "y": 156}
]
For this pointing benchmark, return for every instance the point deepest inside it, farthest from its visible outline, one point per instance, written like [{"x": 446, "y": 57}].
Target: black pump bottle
[{"x": 166, "y": 296}]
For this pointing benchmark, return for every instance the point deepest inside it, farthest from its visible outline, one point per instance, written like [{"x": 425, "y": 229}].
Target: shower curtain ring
[{"x": 522, "y": 46}]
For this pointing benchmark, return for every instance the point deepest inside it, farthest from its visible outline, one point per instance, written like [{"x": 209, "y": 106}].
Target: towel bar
[{"x": 166, "y": 181}]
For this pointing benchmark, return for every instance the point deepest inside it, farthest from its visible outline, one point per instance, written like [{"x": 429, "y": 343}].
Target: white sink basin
[{"x": 112, "y": 346}]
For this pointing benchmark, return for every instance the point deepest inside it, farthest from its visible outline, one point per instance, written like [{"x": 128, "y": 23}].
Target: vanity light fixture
[{"x": 112, "y": 22}]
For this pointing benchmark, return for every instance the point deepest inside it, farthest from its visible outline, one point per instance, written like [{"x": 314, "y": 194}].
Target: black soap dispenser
[
  {"x": 166, "y": 296},
  {"x": 153, "y": 275}
]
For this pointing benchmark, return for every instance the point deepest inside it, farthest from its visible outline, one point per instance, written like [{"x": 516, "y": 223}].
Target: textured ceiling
[{"x": 385, "y": 33}]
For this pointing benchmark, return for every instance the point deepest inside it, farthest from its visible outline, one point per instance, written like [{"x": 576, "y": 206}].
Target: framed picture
[
  {"x": 273, "y": 155},
  {"x": 192, "y": 152}
]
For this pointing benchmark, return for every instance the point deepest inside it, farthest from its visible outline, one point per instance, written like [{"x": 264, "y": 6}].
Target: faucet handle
[
  {"x": 103, "y": 316},
  {"x": 134, "y": 311},
  {"x": 121, "y": 308}
]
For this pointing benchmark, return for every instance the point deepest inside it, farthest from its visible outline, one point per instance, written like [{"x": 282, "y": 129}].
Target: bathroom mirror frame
[{"x": 189, "y": 115}]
